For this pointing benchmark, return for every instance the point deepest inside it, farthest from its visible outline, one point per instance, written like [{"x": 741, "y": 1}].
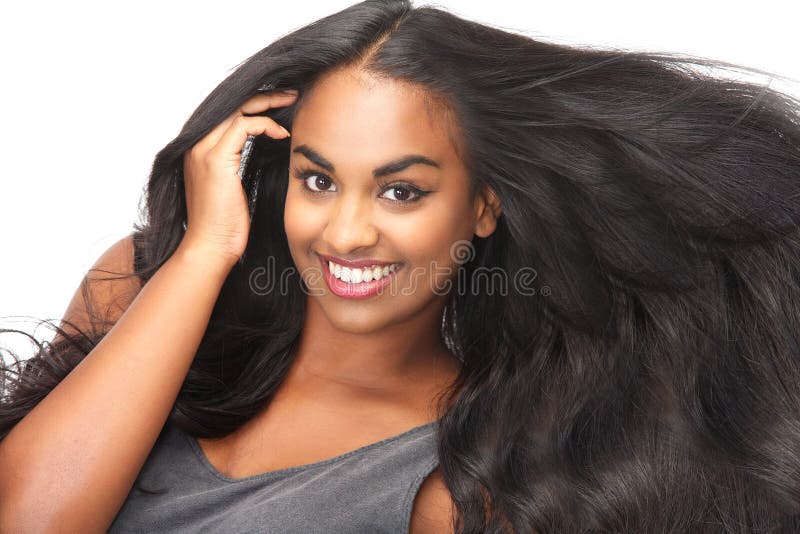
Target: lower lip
[{"x": 356, "y": 291}]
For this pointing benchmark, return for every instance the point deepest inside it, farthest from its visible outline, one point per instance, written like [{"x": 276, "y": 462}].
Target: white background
[{"x": 91, "y": 91}]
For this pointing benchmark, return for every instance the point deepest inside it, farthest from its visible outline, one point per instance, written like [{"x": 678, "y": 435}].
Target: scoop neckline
[{"x": 267, "y": 474}]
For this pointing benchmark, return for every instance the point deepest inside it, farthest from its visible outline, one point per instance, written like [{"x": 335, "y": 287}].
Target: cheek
[
  {"x": 296, "y": 221},
  {"x": 300, "y": 219},
  {"x": 433, "y": 239}
]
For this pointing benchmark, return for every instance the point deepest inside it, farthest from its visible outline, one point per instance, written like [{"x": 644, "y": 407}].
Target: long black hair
[{"x": 649, "y": 380}]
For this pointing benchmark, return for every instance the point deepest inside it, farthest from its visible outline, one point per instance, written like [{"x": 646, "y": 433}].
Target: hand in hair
[{"x": 216, "y": 204}]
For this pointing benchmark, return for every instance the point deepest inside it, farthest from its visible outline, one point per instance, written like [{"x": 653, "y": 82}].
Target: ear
[{"x": 487, "y": 210}]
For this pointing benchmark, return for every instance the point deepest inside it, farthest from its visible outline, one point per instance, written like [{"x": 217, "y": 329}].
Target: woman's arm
[{"x": 71, "y": 462}]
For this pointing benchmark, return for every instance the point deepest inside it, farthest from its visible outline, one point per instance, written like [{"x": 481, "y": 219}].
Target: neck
[{"x": 404, "y": 364}]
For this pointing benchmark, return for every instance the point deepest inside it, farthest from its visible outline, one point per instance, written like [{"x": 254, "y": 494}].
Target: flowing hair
[{"x": 649, "y": 381}]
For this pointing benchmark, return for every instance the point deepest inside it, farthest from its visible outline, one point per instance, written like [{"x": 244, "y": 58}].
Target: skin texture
[
  {"x": 387, "y": 346},
  {"x": 366, "y": 369},
  {"x": 382, "y": 355}
]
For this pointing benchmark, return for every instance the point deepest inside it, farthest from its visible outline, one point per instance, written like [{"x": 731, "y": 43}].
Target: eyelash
[{"x": 304, "y": 173}]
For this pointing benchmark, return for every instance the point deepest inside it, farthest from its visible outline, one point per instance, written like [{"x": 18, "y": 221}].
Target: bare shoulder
[
  {"x": 106, "y": 290},
  {"x": 432, "y": 511}
]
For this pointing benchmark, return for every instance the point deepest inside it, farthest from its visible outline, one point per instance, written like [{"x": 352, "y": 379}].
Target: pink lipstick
[{"x": 355, "y": 291}]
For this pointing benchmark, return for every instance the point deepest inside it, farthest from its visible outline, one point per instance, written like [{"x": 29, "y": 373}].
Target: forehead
[{"x": 380, "y": 117}]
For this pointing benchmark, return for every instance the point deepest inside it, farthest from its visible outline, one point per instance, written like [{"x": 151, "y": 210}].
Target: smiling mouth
[{"x": 358, "y": 283}]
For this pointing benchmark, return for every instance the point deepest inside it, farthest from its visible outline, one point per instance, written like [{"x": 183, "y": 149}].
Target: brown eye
[
  {"x": 321, "y": 181},
  {"x": 404, "y": 193},
  {"x": 318, "y": 184}
]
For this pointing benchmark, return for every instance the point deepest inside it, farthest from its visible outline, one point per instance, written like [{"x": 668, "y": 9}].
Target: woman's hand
[{"x": 218, "y": 221}]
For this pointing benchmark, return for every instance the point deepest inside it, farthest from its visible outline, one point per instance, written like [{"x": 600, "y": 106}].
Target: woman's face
[{"x": 340, "y": 205}]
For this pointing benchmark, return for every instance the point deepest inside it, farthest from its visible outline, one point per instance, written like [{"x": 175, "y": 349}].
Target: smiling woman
[
  {"x": 405, "y": 179},
  {"x": 513, "y": 287}
]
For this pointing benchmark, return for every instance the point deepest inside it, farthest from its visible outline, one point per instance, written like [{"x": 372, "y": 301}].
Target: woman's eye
[
  {"x": 319, "y": 180},
  {"x": 405, "y": 192}
]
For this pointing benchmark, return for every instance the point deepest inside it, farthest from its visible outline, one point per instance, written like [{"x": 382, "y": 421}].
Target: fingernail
[{"x": 287, "y": 131}]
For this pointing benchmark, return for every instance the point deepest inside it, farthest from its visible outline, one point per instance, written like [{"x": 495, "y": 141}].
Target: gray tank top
[{"x": 367, "y": 490}]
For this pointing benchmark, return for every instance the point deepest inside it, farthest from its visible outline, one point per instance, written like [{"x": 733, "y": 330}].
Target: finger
[
  {"x": 232, "y": 141},
  {"x": 264, "y": 101},
  {"x": 212, "y": 138},
  {"x": 255, "y": 104}
]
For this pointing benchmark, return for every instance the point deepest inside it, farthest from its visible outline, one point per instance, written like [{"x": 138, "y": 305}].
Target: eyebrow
[{"x": 392, "y": 167}]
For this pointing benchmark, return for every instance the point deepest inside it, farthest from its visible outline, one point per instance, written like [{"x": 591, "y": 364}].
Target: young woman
[{"x": 489, "y": 284}]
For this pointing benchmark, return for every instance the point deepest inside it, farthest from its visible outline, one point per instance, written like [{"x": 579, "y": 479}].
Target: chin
[{"x": 357, "y": 325}]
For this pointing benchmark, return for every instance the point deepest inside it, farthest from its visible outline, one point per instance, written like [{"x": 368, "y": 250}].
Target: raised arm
[{"x": 69, "y": 464}]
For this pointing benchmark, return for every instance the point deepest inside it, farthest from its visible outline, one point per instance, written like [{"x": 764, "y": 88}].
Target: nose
[{"x": 350, "y": 227}]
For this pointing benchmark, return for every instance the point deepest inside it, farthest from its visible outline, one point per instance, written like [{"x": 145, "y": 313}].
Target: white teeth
[{"x": 355, "y": 276}]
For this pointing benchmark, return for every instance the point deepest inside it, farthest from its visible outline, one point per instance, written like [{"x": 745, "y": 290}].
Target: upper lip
[{"x": 355, "y": 263}]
